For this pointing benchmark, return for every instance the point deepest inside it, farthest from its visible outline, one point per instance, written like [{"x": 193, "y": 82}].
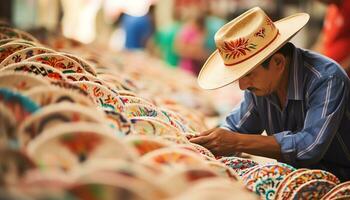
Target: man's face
[{"x": 261, "y": 81}]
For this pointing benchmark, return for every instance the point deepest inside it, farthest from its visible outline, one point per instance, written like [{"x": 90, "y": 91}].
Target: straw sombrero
[{"x": 244, "y": 43}]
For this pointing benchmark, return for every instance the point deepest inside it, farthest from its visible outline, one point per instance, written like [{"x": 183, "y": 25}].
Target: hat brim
[{"x": 216, "y": 74}]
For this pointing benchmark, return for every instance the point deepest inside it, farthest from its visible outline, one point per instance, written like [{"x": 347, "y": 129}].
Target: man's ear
[{"x": 279, "y": 60}]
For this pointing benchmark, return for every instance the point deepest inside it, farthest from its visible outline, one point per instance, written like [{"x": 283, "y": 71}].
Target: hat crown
[{"x": 245, "y": 36}]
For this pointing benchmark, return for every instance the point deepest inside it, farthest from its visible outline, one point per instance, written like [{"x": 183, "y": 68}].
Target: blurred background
[
  {"x": 179, "y": 32},
  {"x": 108, "y": 22},
  {"x": 96, "y": 69}
]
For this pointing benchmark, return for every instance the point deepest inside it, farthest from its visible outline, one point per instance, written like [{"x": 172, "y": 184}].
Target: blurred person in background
[
  {"x": 191, "y": 39},
  {"x": 214, "y": 20},
  {"x": 137, "y": 29},
  {"x": 163, "y": 41},
  {"x": 334, "y": 40}
]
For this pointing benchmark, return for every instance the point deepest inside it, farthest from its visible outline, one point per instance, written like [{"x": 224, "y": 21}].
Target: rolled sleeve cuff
[
  {"x": 286, "y": 141},
  {"x": 226, "y": 127}
]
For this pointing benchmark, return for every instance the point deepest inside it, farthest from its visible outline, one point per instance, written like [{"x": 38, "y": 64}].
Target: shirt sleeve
[
  {"x": 326, "y": 104},
  {"x": 244, "y": 118}
]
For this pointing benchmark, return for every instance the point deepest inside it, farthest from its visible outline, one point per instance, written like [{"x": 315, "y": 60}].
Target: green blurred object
[{"x": 165, "y": 39}]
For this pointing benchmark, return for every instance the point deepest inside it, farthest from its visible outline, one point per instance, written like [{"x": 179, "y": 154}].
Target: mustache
[{"x": 252, "y": 89}]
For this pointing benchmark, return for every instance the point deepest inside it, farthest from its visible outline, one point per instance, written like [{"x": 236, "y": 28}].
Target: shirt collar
[{"x": 295, "y": 77}]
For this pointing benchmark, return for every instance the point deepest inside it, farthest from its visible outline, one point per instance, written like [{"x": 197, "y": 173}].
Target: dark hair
[{"x": 286, "y": 50}]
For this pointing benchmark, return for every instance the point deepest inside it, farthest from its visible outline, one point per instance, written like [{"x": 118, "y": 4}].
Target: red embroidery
[
  {"x": 5, "y": 52},
  {"x": 71, "y": 78},
  {"x": 97, "y": 92},
  {"x": 231, "y": 64},
  {"x": 84, "y": 87},
  {"x": 269, "y": 22},
  {"x": 125, "y": 100},
  {"x": 42, "y": 51},
  {"x": 83, "y": 78},
  {"x": 59, "y": 63},
  {"x": 52, "y": 61},
  {"x": 55, "y": 75},
  {"x": 260, "y": 33},
  {"x": 235, "y": 49},
  {"x": 81, "y": 143},
  {"x": 110, "y": 100}
]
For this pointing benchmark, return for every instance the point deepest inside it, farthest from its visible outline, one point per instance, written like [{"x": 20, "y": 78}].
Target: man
[{"x": 298, "y": 97}]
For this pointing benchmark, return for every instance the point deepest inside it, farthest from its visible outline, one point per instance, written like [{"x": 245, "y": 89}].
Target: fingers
[
  {"x": 190, "y": 136},
  {"x": 205, "y": 137},
  {"x": 201, "y": 140},
  {"x": 207, "y": 132}
]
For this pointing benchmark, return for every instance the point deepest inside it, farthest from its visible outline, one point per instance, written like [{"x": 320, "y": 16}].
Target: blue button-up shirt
[{"x": 313, "y": 129}]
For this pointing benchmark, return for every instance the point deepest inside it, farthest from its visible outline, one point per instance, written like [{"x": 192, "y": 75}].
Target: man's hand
[
  {"x": 222, "y": 142},
  {"x": 219, "y": 141}
]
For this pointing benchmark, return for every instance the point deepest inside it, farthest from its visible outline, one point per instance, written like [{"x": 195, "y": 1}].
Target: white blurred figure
[{"x": 79, "y": 19}]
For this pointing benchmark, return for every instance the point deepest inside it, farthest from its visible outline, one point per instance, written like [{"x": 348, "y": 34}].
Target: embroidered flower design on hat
[
  {"x": 269, "y": 22},
  {"x": 260, "y": 33},
  {"x": 236, "y": 48}
]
